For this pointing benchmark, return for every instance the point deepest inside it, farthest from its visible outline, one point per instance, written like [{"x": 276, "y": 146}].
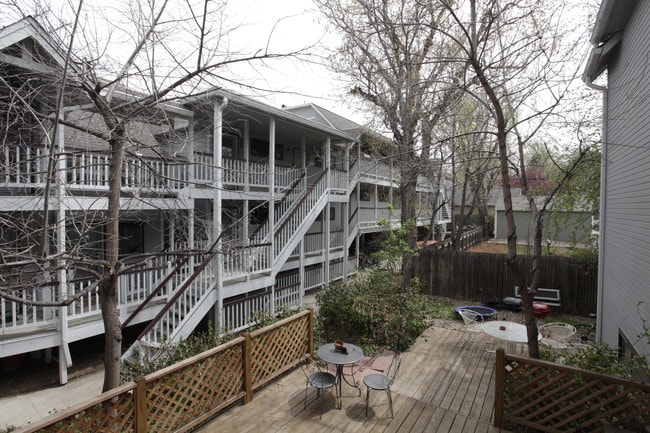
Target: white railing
[
  {"x": 313, "y": 242},
  {"x": 314, "y": 277},
  {"x": 203, "y": 169},
  {"x": 23, "y": 165},
  {"x": 297, "y": 217},
  {"x": 283, "y": 209},
  {"x": 336, "y": 239},
  {"x": 172, "y": 318},
  {"x": 238, "y": 314},
  {"x": 336, "y": 270},
  {"x": 133, "y": 288},
  {"x": 338, "y": 180},
  {"x": 286, "y": 176},
  {"x": 373, "y": 169},
  {"x": 92, "y": 170},
  {"x": 246, "y": 260}
]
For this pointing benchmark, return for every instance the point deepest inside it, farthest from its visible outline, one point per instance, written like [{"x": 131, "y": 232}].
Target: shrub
[
  {"x": 599, "y": 358},
  {"x": 152, "y": 360},
  {"x": 373, "y": 310}
]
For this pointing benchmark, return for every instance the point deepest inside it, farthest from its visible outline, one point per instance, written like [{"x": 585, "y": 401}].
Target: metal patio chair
[
  {"x": 319, "y": 378},
  {"x": 383, "y": 382}
]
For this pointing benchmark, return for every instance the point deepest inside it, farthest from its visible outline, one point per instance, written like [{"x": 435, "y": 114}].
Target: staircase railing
[
  {"x": 154, "y": 293},
  {"x": 182, "y": 310},
  {"x": 291, "y": 196},
  {"x": 294, "y": 220}
]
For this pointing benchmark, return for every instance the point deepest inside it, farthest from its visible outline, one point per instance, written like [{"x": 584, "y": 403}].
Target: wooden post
[
  {"x": 140, "y": 397},
  {"x": 310, "y": 333},
  {"x": 247, "y": 358},
  {"x": 499, "y": 387}
]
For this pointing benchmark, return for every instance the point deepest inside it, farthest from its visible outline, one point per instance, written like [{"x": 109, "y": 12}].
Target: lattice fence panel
[
  {"x": 177, "y": 399},
  {"x": 555, "y": 398},
  {"x": 274, "y": 350},
  {"x": 115, "y": 414}
]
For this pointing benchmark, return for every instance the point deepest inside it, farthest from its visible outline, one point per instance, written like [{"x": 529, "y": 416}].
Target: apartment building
[{"x": 228, "y": 206}]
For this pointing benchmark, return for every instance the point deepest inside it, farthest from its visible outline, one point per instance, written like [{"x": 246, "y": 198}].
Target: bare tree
[
  {"x": 385, "y": 54},
  {"x": 165, "y": 52},
  {"x": 522, "y": 55}
]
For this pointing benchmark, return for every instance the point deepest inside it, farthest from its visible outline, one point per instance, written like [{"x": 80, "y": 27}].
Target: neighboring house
[
  {"x": 560, "y": 227},
  {"x": 286, "y": 195},
  {"x": 620, "y": 42}
]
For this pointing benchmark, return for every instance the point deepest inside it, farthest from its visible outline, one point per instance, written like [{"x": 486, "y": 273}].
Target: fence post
[
  {"x": 140, "y": 397},
  {"x": 247, "y": 358},
  {"x": 310, "y": 333},
  {"x": 499, "y": 387}
]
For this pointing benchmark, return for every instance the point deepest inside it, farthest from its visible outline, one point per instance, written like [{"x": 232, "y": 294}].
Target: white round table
[{"x": 511, "y": 332}]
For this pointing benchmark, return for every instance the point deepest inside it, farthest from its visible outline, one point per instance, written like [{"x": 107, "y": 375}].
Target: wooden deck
[{"x": 446, "y": 384}]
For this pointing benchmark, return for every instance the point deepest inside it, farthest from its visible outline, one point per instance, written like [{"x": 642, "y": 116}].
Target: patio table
[
  {"x": 354, "y": 354},
  {"x": 510, "y": 332}
]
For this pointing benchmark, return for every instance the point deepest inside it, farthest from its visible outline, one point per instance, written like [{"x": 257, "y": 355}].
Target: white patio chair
[
  {"x": 556, "y": 334},
  {"x": 472, "y": 320}
]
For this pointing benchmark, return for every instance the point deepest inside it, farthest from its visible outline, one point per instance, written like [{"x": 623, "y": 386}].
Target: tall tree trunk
[
  {"x": 108, "y": 291},
  {"x": 408, "y": 192}
]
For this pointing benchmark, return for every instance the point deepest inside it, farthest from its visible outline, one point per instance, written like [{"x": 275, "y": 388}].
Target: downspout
[
  {"x": 603, "y": 195},
  {"x": 216, "y": 211}
]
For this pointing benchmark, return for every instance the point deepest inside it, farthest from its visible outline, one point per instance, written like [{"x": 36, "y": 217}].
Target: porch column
[
  {"x": 326, "y": 215},
  {"x": 216, "y": 209},
  {"x": 271, "y": 205},
  {"x": 246, "y": 210},
  {"x": 65, "y": 359},
  {"x": 345, "y": 215}
]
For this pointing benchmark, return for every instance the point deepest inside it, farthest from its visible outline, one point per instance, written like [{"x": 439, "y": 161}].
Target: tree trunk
[
  {"x": 408, "y": 199},
  {"x": 108, "y": 293}
]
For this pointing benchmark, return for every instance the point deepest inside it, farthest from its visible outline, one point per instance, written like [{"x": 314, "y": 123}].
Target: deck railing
[
  {"x": 133, "y": 287},
  {"x": 86, "y": 170},
  {"x": 184, "y": 395},
  {"x": 554, "y": 398}
]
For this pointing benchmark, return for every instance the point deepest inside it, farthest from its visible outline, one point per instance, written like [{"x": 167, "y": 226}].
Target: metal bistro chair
[
  {"x": 556, "y": 334},
  {"x": 383, "y": 382},
  {"x": 319, "y": 378}
]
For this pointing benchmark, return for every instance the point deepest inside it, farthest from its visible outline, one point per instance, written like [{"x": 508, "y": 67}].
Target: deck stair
[{"x": 195, "y": 295}]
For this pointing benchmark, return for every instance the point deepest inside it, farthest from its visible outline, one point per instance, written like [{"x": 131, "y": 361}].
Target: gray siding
[
  {"x": 571, "y": 228},
  {"x": 625, "y": 217}
]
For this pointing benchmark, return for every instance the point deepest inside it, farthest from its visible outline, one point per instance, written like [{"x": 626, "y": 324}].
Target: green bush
[
  {"x": 372, "y": 310},
  {"x": 169, "y": 353},
  {"x": 599, "y": 358}
]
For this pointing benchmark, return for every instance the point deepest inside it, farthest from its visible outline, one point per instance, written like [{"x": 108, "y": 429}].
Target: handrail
[
  {"x": 302, "y": 200},
  {"x": 209, "y": 256},
  {"x": 154, "y": 292},
  {"x": 276, "y": 205}
]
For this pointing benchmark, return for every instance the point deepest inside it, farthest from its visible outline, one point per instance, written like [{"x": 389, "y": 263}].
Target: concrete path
[{"x": 20, "y": 410}]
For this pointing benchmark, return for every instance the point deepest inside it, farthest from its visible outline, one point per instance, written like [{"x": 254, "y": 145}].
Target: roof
[
  {"x": 325, "y": 116},
  {"x": 279, "y": 113},
  {"x": 611, "y": 20},
  {"x": 29, "y": 28}
]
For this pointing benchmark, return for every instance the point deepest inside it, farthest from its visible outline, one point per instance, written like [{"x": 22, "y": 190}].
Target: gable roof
[
  {"x": 326, "y": 117},
  {"x": 29, "y": 28}
]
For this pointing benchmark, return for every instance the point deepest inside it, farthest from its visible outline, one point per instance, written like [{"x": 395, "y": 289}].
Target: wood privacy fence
[
  {"x": 478, "y": 276},
  {"x": 554, "y": 398},
  {"x": 182, "y": 396}
]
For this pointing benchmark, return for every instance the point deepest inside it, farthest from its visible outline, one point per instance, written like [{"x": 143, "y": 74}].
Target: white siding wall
[{"x": 625, "y": 225}]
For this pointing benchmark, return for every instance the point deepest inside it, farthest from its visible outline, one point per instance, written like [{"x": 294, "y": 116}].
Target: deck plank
[{"x": 445, "y": 385}]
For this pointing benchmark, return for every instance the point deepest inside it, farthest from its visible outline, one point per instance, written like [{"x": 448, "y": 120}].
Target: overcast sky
[
  {"x": 291, "y": 24},
  {"x": 294, "y": 24}
]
